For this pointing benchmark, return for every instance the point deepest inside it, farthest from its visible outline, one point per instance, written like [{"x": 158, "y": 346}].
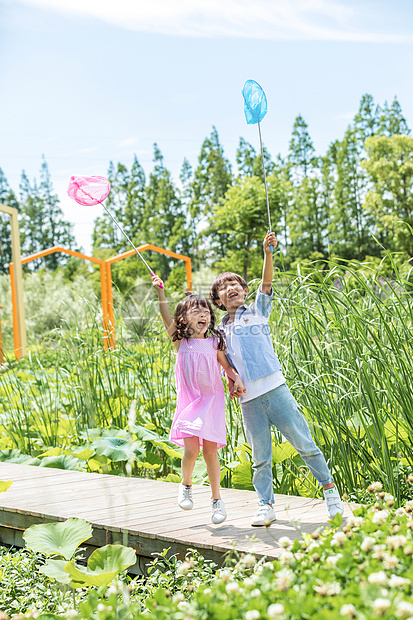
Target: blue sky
[{"x": 88, "y": 81}]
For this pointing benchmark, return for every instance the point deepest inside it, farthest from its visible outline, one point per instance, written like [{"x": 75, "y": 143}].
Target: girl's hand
[
  {"x": 157, "y": 282},
  {"x": 270, "y": 240},
  {"x": 238, "y": 388}
]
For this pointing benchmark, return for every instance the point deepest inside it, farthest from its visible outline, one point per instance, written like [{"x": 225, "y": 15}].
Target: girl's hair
[
  {"x": 219, "y": 281},
  {"x": 191, "y": 300}
]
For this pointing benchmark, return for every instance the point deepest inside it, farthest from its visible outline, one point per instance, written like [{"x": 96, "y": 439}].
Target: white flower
[
  {"x": 275, "y": 610},
  {"x": 396, "y": 581},
  {"x": 249, "y": 560},
  {"x": 400, "y": 512},
  {"x": 396, "y": 542},
  {"x": 355, "y": 522},
  {"x": 232, "y": 587},
  {"x": 348, "y": 610},
  {"x": 225, "y": 574},
  {"x": 285, "y": 542},
  {"x": 376, "y": 487},
  {"x": 381, "y": 605},
  {"x": 207, "y": 591},
  {"x": 388, "y": 498},
  {"x": 252, "y": 614},
  {"x": 390, "y": 561},
  {"x": 184, "y": 568},
  {"x": 408, "y": 507},
  {"x": 404, "y": 609},
  {"x": 332, "y": 560},
  {"x": 334, "y": 588},
  {"x": 380, "y": 517},
  {"x": 367, "y": 544},
  {"x": 287, "y": 558},
  {"x": 338, "y": 539},
  {"x": 100, "y": 607},
  {"x": 182, "y": 605},
  {"x": 255, "y": 592},
  {"x": 284, "y": 579},
  {"x": 269, "y": 565},
  {"x": 178, "y": 597},
  {"x": 249, "y": 582},
  {"x": 380, "y": 578},
  {"x": 258, "y": 570}
]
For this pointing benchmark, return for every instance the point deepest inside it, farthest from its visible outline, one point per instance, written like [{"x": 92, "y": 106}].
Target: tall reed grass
[{"x": 344, "y": 336}]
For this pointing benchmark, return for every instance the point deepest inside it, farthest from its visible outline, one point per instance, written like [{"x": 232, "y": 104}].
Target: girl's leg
[
  {"x": 191, "y": 451},
  {"x": 209, "y": 450}
]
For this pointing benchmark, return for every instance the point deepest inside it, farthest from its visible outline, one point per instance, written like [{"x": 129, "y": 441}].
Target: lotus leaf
[
  {"x": 61, "y": 538},
  {"x": 103, "y": 565}
]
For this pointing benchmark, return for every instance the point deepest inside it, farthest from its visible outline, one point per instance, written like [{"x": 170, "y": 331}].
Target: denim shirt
[{"x": 252, "y": 328}]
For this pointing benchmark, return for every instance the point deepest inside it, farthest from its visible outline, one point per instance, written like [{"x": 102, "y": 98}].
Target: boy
[{"x": 267, "y": 400}]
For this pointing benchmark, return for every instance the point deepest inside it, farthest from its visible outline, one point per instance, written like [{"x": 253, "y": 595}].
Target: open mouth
[
  {"x": 232, "y": 295},
  {"x": 202, "y": 324}
]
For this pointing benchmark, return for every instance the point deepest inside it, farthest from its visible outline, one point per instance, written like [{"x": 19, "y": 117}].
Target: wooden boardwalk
[{"x": 144, "y": 513}]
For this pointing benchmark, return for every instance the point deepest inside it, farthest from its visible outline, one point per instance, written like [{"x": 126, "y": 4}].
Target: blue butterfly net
[{"x": 255, "y": 102}]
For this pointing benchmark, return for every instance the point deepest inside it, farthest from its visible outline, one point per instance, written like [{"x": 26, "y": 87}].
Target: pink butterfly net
[{"x": 88, "y": 191}]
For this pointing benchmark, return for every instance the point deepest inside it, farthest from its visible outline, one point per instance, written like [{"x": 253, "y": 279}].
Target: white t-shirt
[{"x": 254, "y": 388}]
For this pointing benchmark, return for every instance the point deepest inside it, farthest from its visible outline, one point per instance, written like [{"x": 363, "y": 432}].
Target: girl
[{"x": 200, "y": 415}]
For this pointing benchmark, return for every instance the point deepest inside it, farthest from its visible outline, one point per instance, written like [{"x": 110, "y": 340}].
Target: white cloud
[
  {"x": 127, "y": 142},
  {"x": 329, "y": 20}
]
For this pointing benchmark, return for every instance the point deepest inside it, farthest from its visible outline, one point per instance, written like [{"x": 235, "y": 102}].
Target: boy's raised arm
[{"x": 267, "y": 269}]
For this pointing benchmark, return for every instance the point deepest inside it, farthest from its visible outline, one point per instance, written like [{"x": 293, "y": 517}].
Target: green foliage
[{"x": 61, "y": 539}]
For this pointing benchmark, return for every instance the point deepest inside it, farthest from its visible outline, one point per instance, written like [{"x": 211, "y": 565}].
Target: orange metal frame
[
  {"x": 105, "y": 284},
  {"x": 103, "y": 287},
  {"x": 114, "y": 259},
  {"x": 1, "y": 343}
]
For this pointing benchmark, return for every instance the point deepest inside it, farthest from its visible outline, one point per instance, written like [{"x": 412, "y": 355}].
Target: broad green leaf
[
  {"x": 116, "y": 448},
  {"x": 171, "y": 452},
  {"x": 147, "y": 465},
  {"x": 242, "y": 476},
  {"x": 102, "y": 566},
  {"x": 52, "y": 452},
  {"x": 61, "y": 462},
  {"x": 58, "y": 538},
  {"x": 282, "y": 452},
  {"x": 54, "y": 569},
  {"x": 80, "y": 452},
  {"x": 4, "y": 485}
]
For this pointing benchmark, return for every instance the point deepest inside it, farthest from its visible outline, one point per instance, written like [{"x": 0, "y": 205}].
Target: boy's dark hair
[
  {"x": 219, "y": 281},
  {"x": 192, "y": 300}
]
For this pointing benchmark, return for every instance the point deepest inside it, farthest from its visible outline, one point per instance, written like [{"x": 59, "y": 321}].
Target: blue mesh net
[{"x": 255, "y": 102}]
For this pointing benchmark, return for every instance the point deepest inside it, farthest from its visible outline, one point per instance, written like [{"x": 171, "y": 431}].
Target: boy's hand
[
  {"x": 235, "y": 388},
  {"x": 157, "y": 282},
  {"x": 270, "y": 240}
]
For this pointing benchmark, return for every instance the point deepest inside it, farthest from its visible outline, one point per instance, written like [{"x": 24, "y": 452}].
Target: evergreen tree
[
  {"x": 7, "y": 198},
  {"x": 391, "y": 121},
  {"x": 165, "y": 219},
  {"x": 301, "y": 156},
  {"x": 42, "y": 220}
]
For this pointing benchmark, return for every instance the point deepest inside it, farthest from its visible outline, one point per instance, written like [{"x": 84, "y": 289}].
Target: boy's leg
[
  {"x": 283, "y": 412},
  {"x": 258, "y": 432}
]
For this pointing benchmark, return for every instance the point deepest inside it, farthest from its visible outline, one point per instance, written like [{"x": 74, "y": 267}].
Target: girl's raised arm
[{"x": 164, "y": 310}]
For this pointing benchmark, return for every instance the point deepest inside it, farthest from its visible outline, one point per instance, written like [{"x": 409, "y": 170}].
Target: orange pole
[
  {"x": 188, "y": 270},
  {"x": 110, "y": 304},
  {"x": 1, "y": 342},
  {"x": 104, "y": 298},
  {"x": 14, "y": 312}
]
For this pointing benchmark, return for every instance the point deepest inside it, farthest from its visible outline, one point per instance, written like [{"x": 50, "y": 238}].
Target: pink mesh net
[{"x": 88, "y": 191}]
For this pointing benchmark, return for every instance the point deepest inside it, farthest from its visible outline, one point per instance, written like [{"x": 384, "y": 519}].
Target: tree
[
  {"x": 301, "y": 156},
  {"x": 392, "y": 121},
  {"x": 242, "y": 217},
  {"x": 165, "y": 218},
  {"x": 43, "y": 225},
  {"x": 389, "y": 164},
  {"x": 126, "y": 202},
  {"x": 8, "y": 198}
]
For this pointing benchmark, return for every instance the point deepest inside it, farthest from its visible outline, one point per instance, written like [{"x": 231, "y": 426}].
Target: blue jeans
[{"x": 279, "y": 407}]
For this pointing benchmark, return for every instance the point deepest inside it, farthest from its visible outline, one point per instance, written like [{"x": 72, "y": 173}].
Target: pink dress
[{"x": 200, "y": 403}]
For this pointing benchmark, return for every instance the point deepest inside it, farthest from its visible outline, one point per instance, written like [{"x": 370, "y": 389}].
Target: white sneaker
[
  {"x": 218, "y": 512},
  {"x": 265, "y": 515},
  {"x": 334, "y": 503},
  {"x": 185, "y": 496}
]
